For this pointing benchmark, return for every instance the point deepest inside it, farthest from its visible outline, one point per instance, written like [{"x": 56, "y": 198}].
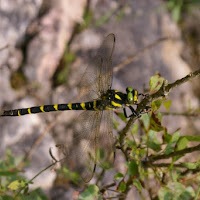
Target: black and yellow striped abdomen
[
  {"x": 49, "y": 108},
  {"x": 110, "y": 101}
]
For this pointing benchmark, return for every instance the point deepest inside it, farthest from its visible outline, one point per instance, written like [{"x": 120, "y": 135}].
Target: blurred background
[{"x": 45, "y": 47}]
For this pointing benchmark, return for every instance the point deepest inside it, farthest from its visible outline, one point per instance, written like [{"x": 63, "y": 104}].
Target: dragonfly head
[{"x": 132, "y": 95}]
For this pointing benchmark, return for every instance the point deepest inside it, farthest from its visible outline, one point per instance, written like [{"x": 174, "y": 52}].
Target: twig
[
  {"x": 104, "y": 188},
  {"x": 185, "y": 114},
  {"x": 175, "y": 153},
  {"x": 160, "y": 165},
  {"x": 31, "y": 180},
  {"x": 183, "y": 80}
]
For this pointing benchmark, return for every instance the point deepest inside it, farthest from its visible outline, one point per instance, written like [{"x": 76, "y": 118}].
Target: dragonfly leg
[
  {"x": 144, "y": 95},
  {"x": 134, "y": 113},
  {"x": 140, "y": 94},
  {"x": 146, "y": 110}
]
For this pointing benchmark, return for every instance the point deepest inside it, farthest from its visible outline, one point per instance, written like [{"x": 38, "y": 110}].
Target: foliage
[
  {"x": 179, "y": 7},
  {"x": 13, "y": 185}
]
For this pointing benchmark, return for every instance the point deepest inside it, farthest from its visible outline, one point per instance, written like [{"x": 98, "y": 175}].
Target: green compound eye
[{"x": 130, "y": 97}]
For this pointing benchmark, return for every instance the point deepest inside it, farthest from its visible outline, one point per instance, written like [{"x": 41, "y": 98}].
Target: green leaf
[
  {"x": 69, "y": 175},
  {"x": 153, "y": 136},
  {"x": 197, "y": 193},
  {"x": 91, "y": 193},
  {"x": 155, "y": 123},
  {"x": 156, "y": 82},
  {"x": 176, "y": 191},
  {"x": 131, "y": 143},
  {"x": 118, "y": 175},
  {"x": 175, "y": 175},
  {"x": 173, "y": 140},
  {"x": 154, "y": 146},
  {"x": 146, "y": 121},
  {"x": 175, "y": 136},
  {"x": 182, "y": 143},
  {"x": 143, "y": 152},
  {"x": 167, "y": 104},
  {"x": 137, "y": 184},
  {"x": 122, "y": 186},
  {"x": 156, "y": 105},
  {"x": 132, "y": 168},
  {"x": 167, "y": 137},
  {"x": 169, "y": 148},
  {"x": 153, "y": 141},
  {"x": 165, "y": 194},
  {"x": 179, "y": 191},
  {"x": 192, "y": 165},
  {"x": 17, "y": 184}
]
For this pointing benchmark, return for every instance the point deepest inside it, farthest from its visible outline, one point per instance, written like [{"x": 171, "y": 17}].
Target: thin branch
[
  {"x": 187, "y": 171},
  {"x": 31, "y": 180},
  {"x": 185, "y": 114},
  {"x": 166, "y": 88},
  {"x": 175, "y": 153},
  {"x": 160, "y": 165},
  {"x": 104, "y": 188},
  {"x": 122, "y": 135},
  {"x": 183, "y": 80}
]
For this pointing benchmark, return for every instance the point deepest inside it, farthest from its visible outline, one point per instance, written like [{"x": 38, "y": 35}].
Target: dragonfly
[{"x": 95, "y": 122}]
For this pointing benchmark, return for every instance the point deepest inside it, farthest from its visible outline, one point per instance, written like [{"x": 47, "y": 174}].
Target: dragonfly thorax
[
  {"x": 132, "y": 95},
  {"x": 114, "y": 99}
]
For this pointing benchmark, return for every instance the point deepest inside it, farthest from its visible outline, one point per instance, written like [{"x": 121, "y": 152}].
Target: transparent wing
[
  {"x": 98, "y": 76},
  {"x": 105, "y": 72},
  {"x": 106, "y": 140},
  {"x": 89, "y": 84},
  {"x": 81, "y": 156}
]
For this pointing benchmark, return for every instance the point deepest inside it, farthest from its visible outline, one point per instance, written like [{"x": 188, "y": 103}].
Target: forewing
[
  {"x": 98, "y": 76},
  {"x": 89, "y": 84},
  {"x": 105, "y": 73}
]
